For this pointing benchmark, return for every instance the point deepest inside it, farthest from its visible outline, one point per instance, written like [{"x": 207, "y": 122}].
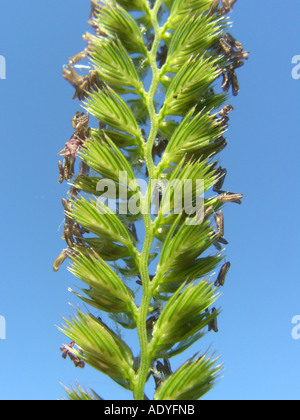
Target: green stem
[{"x": 145, "y": 361}]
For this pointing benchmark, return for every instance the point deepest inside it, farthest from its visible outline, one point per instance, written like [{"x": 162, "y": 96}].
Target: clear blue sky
[{"x": 262, "y": 293}]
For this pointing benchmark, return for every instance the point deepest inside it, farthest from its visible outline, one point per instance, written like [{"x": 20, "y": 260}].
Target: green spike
[{"x": 144, "y": 210}]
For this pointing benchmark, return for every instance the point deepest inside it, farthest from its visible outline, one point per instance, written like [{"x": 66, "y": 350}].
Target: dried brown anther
[
  {"x": 66, "y": 352},
  {"x": 82, "y": 84},
  {"x": 84, "y": 169},
  {"x": 78, "y": 57},
  {"x": 226, "y": 7},
  {"x": 228, "y": 197},
  {"x": 68, "y": 234},
  {"x": 221, "y": 172},
  {"x": 80, "y": 124},
  {"x": 72, "y": 76},
  {"x": 219, "y": 218},
  {"x": 214, "y": 7},
  {"x": 230, "y": 79},
  {"x": 132, "y": 230},
  {"x": 60, "y": 259},
  {"x": 164, "y": 368},
  {"x": 226, "y": 47},
  {"x": 95, "y": 8},
  {"x": 222, "y": 274},
  {"x": 213, "y": 325},
  {"x": 61, "y": 172},
  {"x": 225, "y": 110},
  {"x": 162, "y": 55},
  {"x": 208, "y": 211},
  {"x": 235, "y": 55},
  {"x": 151, "y": 322}
]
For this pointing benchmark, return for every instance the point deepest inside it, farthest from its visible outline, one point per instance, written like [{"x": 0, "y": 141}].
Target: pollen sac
[
  {"x": 61, "y": 172},
  {"x": 164, "y": 368},
  {"x": 78, "y": 57},
  {"x": 208, "y": 211},
  {"x": 234, "y": 83},
  {"x": 219, "y": 184},
  {"x": 225, "y": 110},
  {"x": 223, "y": 241},
  {"x": 80, "y": 121},
  {"x": 77, "y": 233},
  {"x": 214, "y": 7},
  {"x": 60, "y": 259},
  {"x": 222, "y": 274},
  {"x": 228, "y": 197},
  {"x": 213, "y": 325},
  {"x": 219, "y": 218},
  {"x": 225, "y": 46},
  {"x": 227, "y": 5},
  {"x": 68, "y": 235},
  {"x": 217, "y": 245},
  {"x": 233, "y": 42},
  {"x": 83, "y": 169},
  {"x": 75, "y": 359},
  {"x": 82, "y": 84},
  {"x": 151, "y": 322},
  {"x": 66, "y": 205}
]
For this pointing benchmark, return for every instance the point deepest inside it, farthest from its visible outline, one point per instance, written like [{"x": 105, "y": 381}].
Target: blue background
[{"x": 262, "y": 293}]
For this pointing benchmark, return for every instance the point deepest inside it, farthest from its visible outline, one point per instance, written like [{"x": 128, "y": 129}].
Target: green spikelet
[{"x": 144, "y": 224}]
